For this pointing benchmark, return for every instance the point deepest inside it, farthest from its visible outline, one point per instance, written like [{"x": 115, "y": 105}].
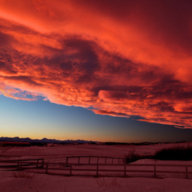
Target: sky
[{"x": 96, "y": 70}]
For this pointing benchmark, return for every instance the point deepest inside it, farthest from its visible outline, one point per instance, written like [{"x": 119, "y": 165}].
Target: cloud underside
[{"x": 123, "y": 59}]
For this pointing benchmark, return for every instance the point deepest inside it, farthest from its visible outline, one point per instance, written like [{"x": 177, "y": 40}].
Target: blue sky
[{"x": 39, "y": 119}]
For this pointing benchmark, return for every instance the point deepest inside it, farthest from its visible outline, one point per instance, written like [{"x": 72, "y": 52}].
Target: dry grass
[{"x": 23, "y": 174}]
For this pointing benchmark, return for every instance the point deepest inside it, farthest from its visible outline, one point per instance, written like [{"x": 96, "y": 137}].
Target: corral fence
[
  {"x": 19, "y": 164},
  {"x": 94, "y": 160},
  {"x": 100, "y": 166}
]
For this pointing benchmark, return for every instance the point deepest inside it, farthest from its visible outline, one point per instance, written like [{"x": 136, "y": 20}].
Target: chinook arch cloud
[{"x": 125, "y": 59}]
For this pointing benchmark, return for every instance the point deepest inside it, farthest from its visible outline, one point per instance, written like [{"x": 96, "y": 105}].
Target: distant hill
[
  {"x": 17, "y": 141},
  {"x": 42, "y": 141}
]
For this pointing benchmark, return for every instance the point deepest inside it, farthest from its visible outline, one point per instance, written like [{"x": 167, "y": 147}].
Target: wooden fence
[
  {"x": 19, "y": 164},
  {"x": 99, "y": 167},
  {"x": 110, "y": 166},
  {"x": 93, "y": 160}
]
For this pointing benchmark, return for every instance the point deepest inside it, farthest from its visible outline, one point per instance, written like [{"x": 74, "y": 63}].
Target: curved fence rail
[
  {"x": 18, "y": 164},
  {"x": 99, "y": 167},
  {"x": 117, "y": 167}
]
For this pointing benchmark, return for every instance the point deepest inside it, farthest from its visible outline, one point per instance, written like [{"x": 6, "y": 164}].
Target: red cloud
[{"x": 119, "y": 58}]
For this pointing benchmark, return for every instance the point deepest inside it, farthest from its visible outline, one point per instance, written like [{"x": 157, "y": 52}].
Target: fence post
[
  {"x": 187, "y": 175},
  {"x": 46, "y": 168},
  {"x": 18, "y": 165},
  {"x": 97, "y": 170},
  {"x": 42, "y": 163},
  {"x": 37, "y": 163},
  {"x": 70, "y": 171},
  {"x": 67, "y": 160},
  {"x": 125, "y": 170},
  {"x": 155, "y": 170}
]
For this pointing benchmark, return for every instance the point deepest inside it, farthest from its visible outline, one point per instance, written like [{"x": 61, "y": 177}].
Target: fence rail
[
  {"x": 21, "y": 163},
  {"x": 125, "y": 171},
  {"x": 106, "y": 166},
  {"x": 92, "y": 160},
  {"x": 98, "y": 166}
]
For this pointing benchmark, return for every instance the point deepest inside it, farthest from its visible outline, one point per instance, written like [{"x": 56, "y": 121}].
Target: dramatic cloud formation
[{"x": 120, "y": 58}]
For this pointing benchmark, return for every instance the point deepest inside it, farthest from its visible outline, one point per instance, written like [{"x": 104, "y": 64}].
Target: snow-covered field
[
  {"x": 60, "y": 151},
  {"x": 11, "y": 182},
  {"x": 23, "y": 181}
]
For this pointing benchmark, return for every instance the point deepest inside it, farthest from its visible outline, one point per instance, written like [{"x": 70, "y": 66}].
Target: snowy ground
[
  {"x": 30, "y": 182},
  {"x": 59, "y": 152},
  {"x": 11, "y": 181}
]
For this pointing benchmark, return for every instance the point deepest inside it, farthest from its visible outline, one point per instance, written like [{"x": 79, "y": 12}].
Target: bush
[
  {"x": 176, "y": 153},
  {"x": 132, "y": 158}
]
